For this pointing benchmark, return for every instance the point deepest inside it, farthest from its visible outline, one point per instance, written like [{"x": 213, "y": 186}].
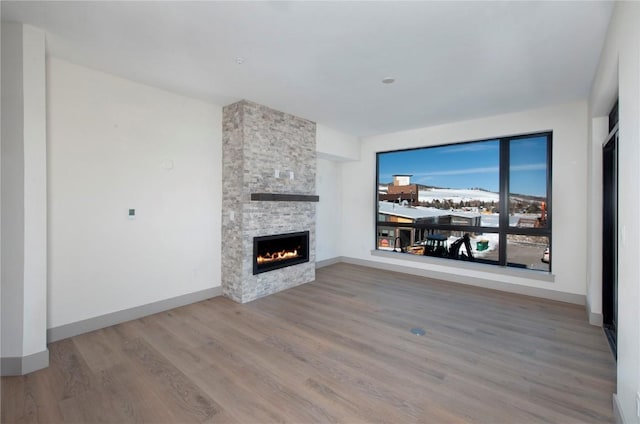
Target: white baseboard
[
  {"x": 617, "y": 411},
  {"x": 327, "y": 262},
  {"x": 107, "y": 320},
  {"x": 577, "y": 299},
  {"x": 24, "y": 364},
  {"x": 595, "y": 318}
]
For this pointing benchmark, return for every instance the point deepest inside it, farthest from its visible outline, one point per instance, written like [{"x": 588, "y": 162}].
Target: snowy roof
[
  {"x": 417, "y": 212},
  {"x": 457, "y": 195}
]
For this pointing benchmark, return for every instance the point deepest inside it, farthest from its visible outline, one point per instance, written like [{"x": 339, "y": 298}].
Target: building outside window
[{"x": 484, "y": 201}]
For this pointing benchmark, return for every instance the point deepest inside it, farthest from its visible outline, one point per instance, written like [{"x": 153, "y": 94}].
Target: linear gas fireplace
[
  {"x": 267, "y": 191},
  {"x": 279, "y": 251}
]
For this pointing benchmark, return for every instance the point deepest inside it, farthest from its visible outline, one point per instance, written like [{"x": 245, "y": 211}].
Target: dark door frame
[{"x": 610, "y": 239}]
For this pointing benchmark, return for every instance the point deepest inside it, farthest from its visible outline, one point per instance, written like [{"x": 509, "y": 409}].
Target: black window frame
[{"x": 503, "y": 229}]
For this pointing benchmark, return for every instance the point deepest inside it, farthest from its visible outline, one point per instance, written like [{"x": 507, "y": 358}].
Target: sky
[{"x": 471, "y": 165}]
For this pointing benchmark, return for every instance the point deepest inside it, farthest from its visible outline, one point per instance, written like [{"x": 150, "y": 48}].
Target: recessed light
[
  {"x": 388, "y": 80},
  {"x": 239, "y": 60}
]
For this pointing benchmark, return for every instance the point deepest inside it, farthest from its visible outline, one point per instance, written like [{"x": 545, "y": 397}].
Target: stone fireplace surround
[{"x": 268, "y": 156}]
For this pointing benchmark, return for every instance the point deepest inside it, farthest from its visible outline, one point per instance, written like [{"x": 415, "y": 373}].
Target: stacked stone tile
[{"x": 257, "y": 141}]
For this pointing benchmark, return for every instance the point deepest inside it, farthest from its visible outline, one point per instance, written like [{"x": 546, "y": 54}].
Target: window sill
[{"x": 530, "y": 274}]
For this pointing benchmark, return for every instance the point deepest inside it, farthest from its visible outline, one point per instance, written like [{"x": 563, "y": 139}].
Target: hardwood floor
[{"x": 336, "y": 350}]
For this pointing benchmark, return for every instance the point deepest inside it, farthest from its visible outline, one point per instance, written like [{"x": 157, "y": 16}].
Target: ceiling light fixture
[
  {"x": 388, "y": 80},
  {"x": 239, "y": 60}
]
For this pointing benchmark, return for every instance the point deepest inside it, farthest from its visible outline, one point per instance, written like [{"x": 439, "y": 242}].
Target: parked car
[{"x": 545, "y": 255}]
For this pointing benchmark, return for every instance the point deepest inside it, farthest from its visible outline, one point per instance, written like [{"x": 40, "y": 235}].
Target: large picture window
[{"x": 484, "y": 201}]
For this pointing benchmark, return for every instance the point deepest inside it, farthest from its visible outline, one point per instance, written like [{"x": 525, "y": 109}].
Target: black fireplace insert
[{"x": 279, "y": 251}]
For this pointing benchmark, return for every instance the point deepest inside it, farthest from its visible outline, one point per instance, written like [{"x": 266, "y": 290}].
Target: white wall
[
  {"x": 569, "y": 125},
  {"x": 12, "y": 191},
  {"x": 335, "y": 145},
  {"x": 333, "y": 148},
  {"x": 115, "y": 145},
  {"x": 329, "y": 210},
  {"x": 24, "y": 215},
  {"x": 35, "y": 192},
  {"x": 598, "y": 132},
  {"x": 619, "y": 72}
]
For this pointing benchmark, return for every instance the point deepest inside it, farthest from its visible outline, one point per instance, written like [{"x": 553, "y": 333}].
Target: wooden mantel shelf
[{"x": 281, "y": 197}]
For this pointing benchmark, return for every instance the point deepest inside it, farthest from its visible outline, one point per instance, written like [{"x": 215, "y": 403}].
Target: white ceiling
[{"x": 324, "y": 61}]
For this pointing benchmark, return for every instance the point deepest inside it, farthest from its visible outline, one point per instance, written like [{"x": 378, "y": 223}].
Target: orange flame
[{"x": 277, "y": 256}]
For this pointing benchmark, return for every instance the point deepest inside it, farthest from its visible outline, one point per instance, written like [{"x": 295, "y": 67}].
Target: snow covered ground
[
  {"x": 492, "y": 238},
  {"x": 492, "y": 219},
  {"x": 490, "y": 253},
  {"x": 456, "y": 195}
]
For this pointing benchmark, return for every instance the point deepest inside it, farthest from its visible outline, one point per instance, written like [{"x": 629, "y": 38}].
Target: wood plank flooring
[{"x": 335, "y": 350}]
